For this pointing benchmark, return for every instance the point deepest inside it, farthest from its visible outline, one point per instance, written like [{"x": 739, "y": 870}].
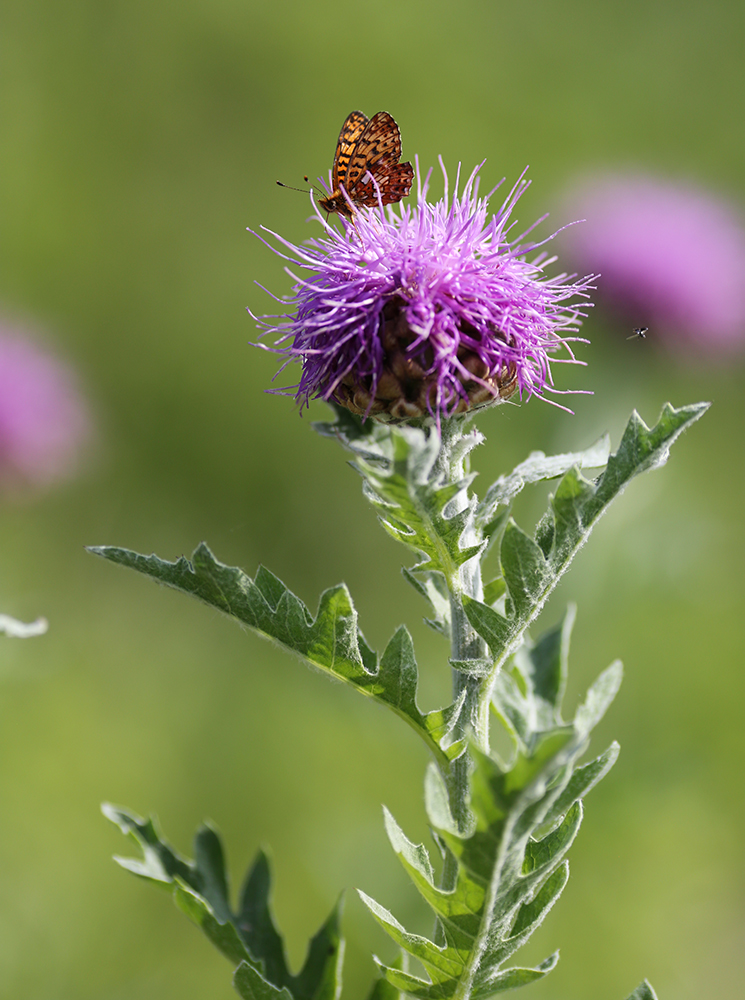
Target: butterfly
[{"x": 367, "y": 154}]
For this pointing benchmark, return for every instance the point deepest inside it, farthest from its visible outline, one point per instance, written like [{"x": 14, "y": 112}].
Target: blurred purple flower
[
  {"x": 671, "y": 257},
  {"x": 426, "y": 311},
  {"x": 43, "y": 420}
]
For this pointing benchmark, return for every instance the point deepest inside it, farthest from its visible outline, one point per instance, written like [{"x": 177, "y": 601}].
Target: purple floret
[{"x": 426, "y": 311}]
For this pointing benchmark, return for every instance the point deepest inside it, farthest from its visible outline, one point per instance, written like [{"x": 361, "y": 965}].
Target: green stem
[{"x": 466, "y": 644}]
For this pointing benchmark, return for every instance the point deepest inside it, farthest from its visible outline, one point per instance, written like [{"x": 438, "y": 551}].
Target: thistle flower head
[
  {"x": 43, "y": 420},
  {"x": 672, "y": 257},
  {"x": 426, "y": 311}
]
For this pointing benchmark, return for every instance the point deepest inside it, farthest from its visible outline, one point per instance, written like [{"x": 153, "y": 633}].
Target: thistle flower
[
  {"x": 426, "y": 311},
  {"x": 672, "y": 257},
  {"x": 43, "y": 420}
]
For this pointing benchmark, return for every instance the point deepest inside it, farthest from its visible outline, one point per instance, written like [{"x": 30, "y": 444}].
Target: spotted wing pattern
[
  {"x": 351, "y": 130},
  {"x": 368, "y": 148}
]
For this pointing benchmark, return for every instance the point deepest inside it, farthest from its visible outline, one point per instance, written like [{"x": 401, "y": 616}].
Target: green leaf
[
  {"x": 525, "y": 569},
  {"x": 382, "y": 989},
  {"x": 532, "y": 567},
  {"x": 494, "y": 590},
  {"x": 599, "y": 697},
  {"x": 510, "y": 979},
  {"x": 582, "y": 780},
  {"x": 248, "y": 938},
  {"x": 535, "y": 468},
  {"x": 352, "y": 431},
  {"x": 221, "y": 933},
  {"x": 643, "y": 991},
  {"x": 417, "y": 479},
  {"x": 160, "y": 863},
  {"x": 528, "y": 697},
  {"x": 251, "y": 985},
  {"x": 544, "y": 667},
  {"x": 425, "y": 516},
  {"x": 331, "y": 640},
  {"x": 509, "y": 867},
  {"x": 433, "y": 588}
]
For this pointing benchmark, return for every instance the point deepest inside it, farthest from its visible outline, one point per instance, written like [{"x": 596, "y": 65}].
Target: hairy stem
[{"x": 466, "y": 644}]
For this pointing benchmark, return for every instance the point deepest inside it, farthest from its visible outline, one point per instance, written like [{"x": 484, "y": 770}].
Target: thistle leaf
[
  {"x": 417, "y": 479},
  {"x": 535, "y": 468},
  {"x": 643, "y": 991},
  {"x": 248, "y": 938},
  {"x": 532, "y": 567},
  {"x": 510, "y": 866},
  {"x": 331, "y": 640},
  {"x": 418, "y": 507},
  {"x": 251, "y": 985}
]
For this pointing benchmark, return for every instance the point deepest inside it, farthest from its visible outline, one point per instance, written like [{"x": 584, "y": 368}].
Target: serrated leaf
[
  {"x": 414, "y": 856},
  {"x": 433, "y": 588},
  {"x": 542, "y": 854},
  {"x": 505, "y": 884},
  {"x": 511, "y": 979},
  {"x": 576, "y": 508},
  {"x": 599, "y": 697},
  {"x": 331, "y": 640},
  {"x": 643, "y": 991},
  {"x": 160, "y": 863},
  {"x": 528, "y": 697},
  {"x": 397, "y": 674},
  {"x": 255, "y": 914},
  {"x": 533, "y": 567},
  {"x": 529, "y": 918},
  {"x": 222, "y": 933},
  {"x": 420, "y": 491},
  {"x": 535, "y": 468},
  {"x": 507, "y": 868},
  {"x": 251, "y": 985},
  {"x": 544, "y": 667},
  {"x": 210, "y": 862},
  {"x": 248, "y": 938},
  {"x": 582, "y": 780},
  {"x": 348, "y": 427},
  {"x": 441, "y": 723},
  {"x": 437, "y": 801},
  {"x": 382, "y": 989}
]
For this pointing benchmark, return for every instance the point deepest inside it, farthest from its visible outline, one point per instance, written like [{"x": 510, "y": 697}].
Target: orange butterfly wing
[
  {"x": 378, "y": 151},
  {"x": 368, "y": 146},
  {"x": 393, "y": 184},
  {"x": 351, "y": 130}
]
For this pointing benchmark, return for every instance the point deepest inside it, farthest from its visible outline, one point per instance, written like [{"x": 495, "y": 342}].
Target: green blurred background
[{"x": 140, "y": 140}]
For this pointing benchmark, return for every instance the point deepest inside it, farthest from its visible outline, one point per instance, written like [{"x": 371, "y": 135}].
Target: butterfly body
[{"x": 366, "y": 165}]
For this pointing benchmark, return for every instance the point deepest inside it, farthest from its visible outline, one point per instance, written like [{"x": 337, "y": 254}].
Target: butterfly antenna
[{"x": 290, "y": 188}]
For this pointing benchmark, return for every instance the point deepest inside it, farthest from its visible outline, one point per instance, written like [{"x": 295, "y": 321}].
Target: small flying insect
[{"x": 640, "y": 333}]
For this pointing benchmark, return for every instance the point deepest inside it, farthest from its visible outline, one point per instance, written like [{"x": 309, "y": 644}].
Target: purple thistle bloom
[
  {"x": 43, "y": 420},
  {"x": 425, "y": 311},
  {"x": 672, "y": 257}
]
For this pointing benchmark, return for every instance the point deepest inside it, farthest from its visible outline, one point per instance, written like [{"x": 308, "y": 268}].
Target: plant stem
[{"x": 466, "y": 644}]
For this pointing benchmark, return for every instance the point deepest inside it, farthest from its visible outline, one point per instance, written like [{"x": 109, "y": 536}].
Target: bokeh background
[{"x": 140, "y": 139}]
